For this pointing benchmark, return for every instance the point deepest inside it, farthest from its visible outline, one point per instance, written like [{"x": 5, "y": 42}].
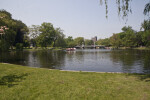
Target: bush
[
  {"x": 4, "y": 46},
  {"x": 19, "y": 46}
]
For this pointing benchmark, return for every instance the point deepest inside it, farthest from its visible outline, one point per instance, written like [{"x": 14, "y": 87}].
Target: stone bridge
[{"x": 90, "y": 46}]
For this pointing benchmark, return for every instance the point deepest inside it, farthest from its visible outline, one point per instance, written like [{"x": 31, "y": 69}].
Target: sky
[{"x": 77, "y": 18}]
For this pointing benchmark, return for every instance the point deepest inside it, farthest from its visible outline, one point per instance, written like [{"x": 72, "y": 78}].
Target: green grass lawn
[{"x": 25, "y": 83}]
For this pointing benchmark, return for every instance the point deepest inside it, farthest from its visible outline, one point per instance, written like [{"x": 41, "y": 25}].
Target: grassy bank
[
  {"x": 143, "y": 48},
  {"x": 24, "y": 83},
  {"x": 138, "y": 48}
]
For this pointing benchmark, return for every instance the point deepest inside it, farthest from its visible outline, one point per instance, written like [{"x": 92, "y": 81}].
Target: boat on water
[{"x": 70, "y": 49}]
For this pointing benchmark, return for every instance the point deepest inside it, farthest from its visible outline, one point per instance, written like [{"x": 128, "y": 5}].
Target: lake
[{"x": 97, "y": 60}]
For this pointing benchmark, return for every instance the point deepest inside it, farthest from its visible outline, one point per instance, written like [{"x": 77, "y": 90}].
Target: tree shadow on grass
[
  {"x": 142, "y": 77},
  {"x": 12, "y": 80}
]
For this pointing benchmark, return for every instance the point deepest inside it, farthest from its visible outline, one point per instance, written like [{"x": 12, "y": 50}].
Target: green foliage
[
  {"x": 19, "y": 46},
  {"x": 26, "y": 43},
  {"x": 70, "y": 42},
  {"x": 61, "y": 42},
  {"x": 145, "y": 25},
  {"x": 4, "y": 46},
  {"x": 130, "y": 38},
  {"x": 45, "y": 37},
  {"x": 88, "y": 42},
  {"x": 69, "y": 39},
  {"x": 79, "y": 41},
  {"x": 59, "y": 38},
  {"x": 21, "y": 30},
  {"x": 14, "y": 31},
  {"x": 105, "y": 42},
  {"x": 115, "y": 40},
  {"x": 42, "y": 41},
  {"x": 146, "y": 38},
  {"x": 139, "y": 41},
  {"x": 125, "y": 28}
]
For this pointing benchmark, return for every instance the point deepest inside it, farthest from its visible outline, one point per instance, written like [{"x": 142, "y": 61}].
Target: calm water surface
[{"x": 131, "y": 61}]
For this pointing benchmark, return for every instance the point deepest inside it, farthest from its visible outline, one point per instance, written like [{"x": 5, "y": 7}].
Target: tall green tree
[
  {"x": 46, "y": 36},
  {"x": 12, "y": 31},
  {"x": 7, "y": 30},
  {"x": 21, "y": 30},
  {"x": 129, "y": 39}
]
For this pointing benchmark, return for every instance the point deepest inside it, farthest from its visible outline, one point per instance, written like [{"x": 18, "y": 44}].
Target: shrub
[{"x": 19, "y": 46}]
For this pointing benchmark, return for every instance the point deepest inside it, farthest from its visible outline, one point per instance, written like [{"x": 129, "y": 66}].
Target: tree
[
  {"x": 146, "y": 38},
  {"x": 46, "y": 36},
  {"x": 69, "y": 39},
  {"x": 58, "y": 34},
  {"x": 139, "y": 41},
  {"x": 70, "y": 42},
  {"x": 59, "y": 38},
  {"x": 88, "y": 42},
  {"x": 26, "y": 41},
  {"x": 61, "y": 42},
  {"x": 105, "y": 42},
  {"x": 145, "y": 25},
  {"x": 79, "y": 41},
  {"x": 124, "y": 7},
  {"x": 147, "y": 9},
  {"x": 6, "y": 29},
  {"x": 34, "y": 32},
  {"x": 21, "y": 30},
  {"x": 12, "y": 31},
  {"x": 115, "y": 40},
  {"x": 146, "y": 34},
  {"x": 129, "y": 40},
  {"x": 125, "y": 28},
  {"x": 10, "y": 38}
]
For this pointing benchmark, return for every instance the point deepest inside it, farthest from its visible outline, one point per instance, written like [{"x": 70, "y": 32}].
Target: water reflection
[
  {"x": 132, "y": 61},
  {"x": 51, "y": 59},
  {"x": 137, "y": 61}
]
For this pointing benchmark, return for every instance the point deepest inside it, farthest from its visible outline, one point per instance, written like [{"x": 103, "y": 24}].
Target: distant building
[{"x": 94, "y": 39}]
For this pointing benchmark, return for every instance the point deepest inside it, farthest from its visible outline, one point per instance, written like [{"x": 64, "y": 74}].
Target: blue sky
[{"x": 78, "y": 18}]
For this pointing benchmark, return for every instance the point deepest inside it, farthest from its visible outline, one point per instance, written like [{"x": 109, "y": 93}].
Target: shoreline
[{"x": 78, "y": 70}]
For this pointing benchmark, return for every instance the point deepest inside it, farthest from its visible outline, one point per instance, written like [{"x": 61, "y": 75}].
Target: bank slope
[{"x": 26, "y": 83}]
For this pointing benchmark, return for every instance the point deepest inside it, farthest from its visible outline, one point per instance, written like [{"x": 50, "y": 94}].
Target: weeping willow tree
[
  {"x": 147, "y": 9},
  {"x": 124, "y": 7}
]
